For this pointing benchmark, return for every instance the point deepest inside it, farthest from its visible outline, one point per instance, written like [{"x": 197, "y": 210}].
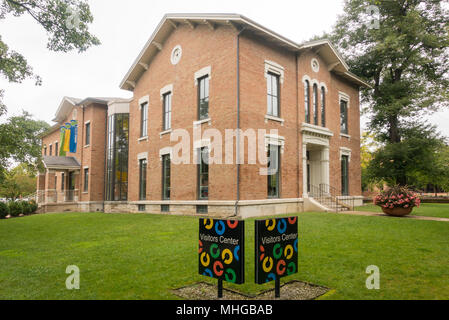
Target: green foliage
[
  {"x": 18, "y": 182},
  {"x": 4, "y": 210},
  {"x": 15, "y": 208},
  {"x": 26, "y": 207},
  {"x": 20, "y": 140},
  {"x": 411, "y": 161},
  {"x": 406, "y": 60},
  {"x": 66, "y": 23},
  {"x": 33, "y": 206}
]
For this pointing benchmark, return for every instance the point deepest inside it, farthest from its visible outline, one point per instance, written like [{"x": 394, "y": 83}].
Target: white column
[
  {"x": 304, "y": 171},
  {"x": 325, "y": 165}
]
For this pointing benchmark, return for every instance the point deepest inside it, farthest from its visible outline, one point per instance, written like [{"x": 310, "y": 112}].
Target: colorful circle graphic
[
  {"x": 290, "y": 254},
  {"x": 280, "y": 268},
  {"x": 205, "y": 262},
  {"x": 233, "y": 224},
  {"x": 215, "y": 254},
  {"x": 270, "y": 262},
  {"x": 218, "y": 264},
  {"x": 220, "y": 228},
  {"x": 228, "y": 260},
  {"x": 282, "y": 226},
  {"x": 232, "y": 272},
  {"x": 277, "y": 251},
  {"x": 209, "y": 225},
  {"x": 270, "y": 226},
  {"x": 236, "y": 255},
  {"x": 291, "y": 268}
]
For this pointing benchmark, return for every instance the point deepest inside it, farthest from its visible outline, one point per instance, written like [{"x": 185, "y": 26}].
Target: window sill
[
  {"x": 143, "y": 139},
  {"x": 165, "y": 132},
  {"x": 344, "y": 135},
  {"x": 200, "y": 122},
  {"x": 87, "y": 146},
  {"x": 273, "y": 118}
]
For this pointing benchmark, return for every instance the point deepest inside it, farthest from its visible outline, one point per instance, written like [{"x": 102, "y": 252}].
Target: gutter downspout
[
  {"x": 106, "y": 137},
  {"x": 238, "y": 123},
  {"x": 298, "y": 161}
]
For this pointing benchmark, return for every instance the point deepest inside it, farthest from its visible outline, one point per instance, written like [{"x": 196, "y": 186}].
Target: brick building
[{"x": 243, "y": 99}]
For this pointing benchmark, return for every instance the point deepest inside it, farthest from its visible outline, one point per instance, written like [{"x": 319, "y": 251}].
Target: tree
[
  {"x": 406, "y": 60},
  {"x": 18, "y": 182},
  {"x": 66, "y": 24},
  {"x": 65, "y": 21},
  {"x": 414, "y": 159}
]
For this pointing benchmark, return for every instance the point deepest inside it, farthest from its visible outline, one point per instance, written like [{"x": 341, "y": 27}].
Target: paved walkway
[{"x": 367, "y": 213}]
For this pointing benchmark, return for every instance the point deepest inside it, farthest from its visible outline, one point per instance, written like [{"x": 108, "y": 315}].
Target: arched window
[
  {"x": 315, "y": 104},
  {"x": 307, "y": 100},
  {"x": 323, "y": 107}
]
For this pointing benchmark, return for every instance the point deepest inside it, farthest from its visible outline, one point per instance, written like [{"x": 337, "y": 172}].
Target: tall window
[
  {"x": 343, "y": 116},
  {"x": 45, "y": 150},
  {"x": 144, "y": 120},
  {"x": 323, "y": 107},
  {"x": 87, "y": 142},
  {"x": 142, "y": 179},
  {"x": 167, "y": 111},
  {"x": 274, "y": 168},
  {"x": 307, "y": 100},
  {"x": 117, "y": 157},
  {"x": 86, "y": 179},
  {"x": 166, "y": 177},
  {"x": 273, "y": 94},
  {"x": 56, "y": 149},
  {"x": 345, "y": 175},
  {"x": 51, "y": 150},
  {"x": 203, "y": 174},
  {"x": 62, "y": 181},
  {"x": 315, "y": 104},
  {"x": 203, "y": 98}
]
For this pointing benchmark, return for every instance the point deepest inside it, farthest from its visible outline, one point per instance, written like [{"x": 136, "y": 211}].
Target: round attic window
[
  {"x": 176, "y": 54},
  {"x": 315, "y": 65}
]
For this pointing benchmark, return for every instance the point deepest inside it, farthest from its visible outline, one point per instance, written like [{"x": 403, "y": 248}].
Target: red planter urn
[{"x": 398, "y": 211}]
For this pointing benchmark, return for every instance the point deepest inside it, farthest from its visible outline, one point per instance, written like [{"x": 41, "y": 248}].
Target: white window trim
[
  {"x": 273, "y": 67},
  {"x": 273, "y": 139},
  {"x": 317, "y": 69},
  {"x": 344, "y": 135},
  {"x": 163, "y": 133},
  {"x": 143, "y": 139},
  {"x": 164, "y": 151},
  {"x": 143, "y": 100},
  {"x": 345, "y": 97},
  {"x": 273, "y": 118},
  {"x": 200, "y": 122},
  {"x": 345, "y": 152},
  {"x": 142, "y": 156},
  {"x": 206, "y": 71},
  {"x": 168, "y": 88}
]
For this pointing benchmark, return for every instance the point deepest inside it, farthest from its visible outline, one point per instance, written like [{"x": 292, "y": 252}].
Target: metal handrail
[{"x": 330, "y": 197}]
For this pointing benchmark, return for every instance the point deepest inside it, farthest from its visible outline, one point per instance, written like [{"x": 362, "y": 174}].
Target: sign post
[
  {"x": 276, "y": 250},
  {"x": 221, "y": 251}
]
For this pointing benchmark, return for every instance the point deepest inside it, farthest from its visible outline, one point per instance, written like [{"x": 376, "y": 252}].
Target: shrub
[
  {"x": 33, "y": 206},
  {"x": 26, "y": 207},
  {"x": 4, "y": 210},
  {"x": 397, "y": 197},
  {"x": 15, "y": 208}
]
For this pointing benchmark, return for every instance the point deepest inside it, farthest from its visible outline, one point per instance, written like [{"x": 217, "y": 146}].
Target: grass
[
  {"x": 440, "y": 210},
  {"x": 141, "y": 256}
]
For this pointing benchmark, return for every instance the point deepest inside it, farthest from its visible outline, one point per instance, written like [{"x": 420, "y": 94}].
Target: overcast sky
[{"x": 123, "y": 28}]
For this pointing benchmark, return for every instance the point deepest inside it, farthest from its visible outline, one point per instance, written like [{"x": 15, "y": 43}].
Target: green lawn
[
  {"x": 440, "y": 210},
  {"x": 141, "y": 256}
]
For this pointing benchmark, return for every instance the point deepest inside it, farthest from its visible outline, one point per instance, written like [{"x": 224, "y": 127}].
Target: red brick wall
[{"x": 200, "y": 48}]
